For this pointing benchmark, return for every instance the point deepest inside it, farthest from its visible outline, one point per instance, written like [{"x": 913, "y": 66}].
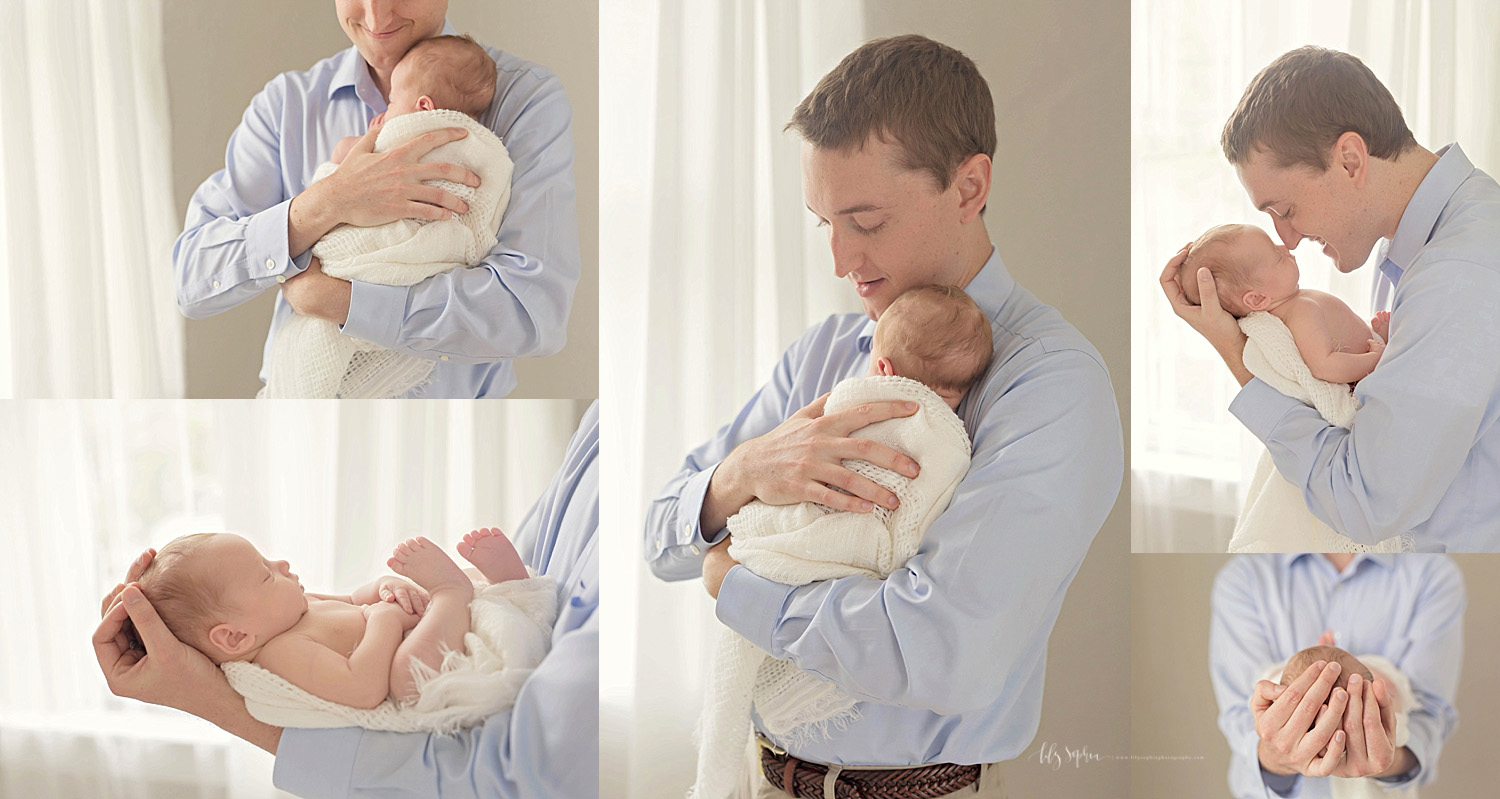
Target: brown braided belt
[{"x": 803, "y": 780}]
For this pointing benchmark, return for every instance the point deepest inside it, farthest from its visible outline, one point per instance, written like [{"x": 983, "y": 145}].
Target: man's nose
[
  {"x": 379, "y": 14},
  {"x": 845, "y": 252},
  {"x": 1289, "y": 235}
]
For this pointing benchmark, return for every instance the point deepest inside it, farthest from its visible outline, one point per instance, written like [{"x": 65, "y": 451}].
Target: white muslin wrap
[
  {"x": 1406, "y": 702},
  {"x": 510, "y": 631},
  {"x": 310, "y": 357},
  {"x": 1275, "y": 517},
  {"x": 804, "y": 543}
]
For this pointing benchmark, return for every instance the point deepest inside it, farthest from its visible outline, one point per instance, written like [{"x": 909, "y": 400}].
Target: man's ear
[
  {"x": 231, "y": 640},
  {"x": 884, "y": 366},
  {"x": 972, "y": 179},
  {"x": 425, "y": 103},
  {"x": 1352, "y": 157},
  {"x": 1255, "y": 301}
]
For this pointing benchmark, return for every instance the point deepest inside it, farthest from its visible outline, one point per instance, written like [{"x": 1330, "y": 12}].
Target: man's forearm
[
  {"x": 723, "y": 499},
  {"x": 226, "y": 709},
  {"x": 1233, "y": 353},
  {"x": 308, "y": 218}
]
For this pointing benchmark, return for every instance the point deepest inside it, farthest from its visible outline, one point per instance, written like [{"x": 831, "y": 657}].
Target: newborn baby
[
  {"x": 1253, "y": 274},
  {"x": 937, "y": 336},
  {"x": 1348, "y": 664},
  {"x": 216, "y": 593},
  {"x": 451, "y": 72}
]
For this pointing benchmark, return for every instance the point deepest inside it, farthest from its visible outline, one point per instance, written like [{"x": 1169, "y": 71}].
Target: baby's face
[
  {"x": 262, "y": 595},
  {"x": 1271, "y": 269}
]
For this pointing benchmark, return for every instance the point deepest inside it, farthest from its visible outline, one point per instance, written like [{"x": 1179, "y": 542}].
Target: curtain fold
[
  {"x": 86, "y": 208},
  {"x": 330, "y": 487},
  {"x": 717, "y": 269}
]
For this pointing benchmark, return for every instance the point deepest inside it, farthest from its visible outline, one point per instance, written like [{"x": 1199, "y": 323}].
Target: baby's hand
[
  {"x": 380, "y": 609},
  {"x": 1381, "y": 324},
  {"x": 342, "y": 150},
  {"x": 411, "y": 598}
]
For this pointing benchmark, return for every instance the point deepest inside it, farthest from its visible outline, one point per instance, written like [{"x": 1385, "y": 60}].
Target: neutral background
[
  {"x": 1174, "y": 713},
  {"x": 219, "y": 55},
  {"x": 1058, "y": 213}
]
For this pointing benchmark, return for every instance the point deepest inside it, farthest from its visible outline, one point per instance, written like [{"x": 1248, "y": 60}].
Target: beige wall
[
  {"x": 219, "y": 55},
  {"x": 1173, "y": 710},
  {"x": 1059, "y": 213}
]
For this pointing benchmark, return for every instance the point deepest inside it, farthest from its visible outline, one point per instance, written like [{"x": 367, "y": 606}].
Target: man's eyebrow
[
  {"x": 1266, "y": 206},
  {"x": 860, "y": 209}
]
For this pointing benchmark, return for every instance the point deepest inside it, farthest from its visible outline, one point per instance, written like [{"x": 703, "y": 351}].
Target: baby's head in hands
[
  {"x": 1252, "y": 272},
  {"x": 1348, "y": 664},
  {"x": 217, "y": 594},
  {"x": 937, "y": 336}
]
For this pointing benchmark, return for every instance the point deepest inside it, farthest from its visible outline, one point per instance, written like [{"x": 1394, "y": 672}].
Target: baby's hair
[
  {"x": 940, "y": 336},
  {"x": 1299, "y": 662},
  {"x": 1210, "y": 250},
  {"x": 461, "y": 73},
  {"x": 187, "y": 601}
]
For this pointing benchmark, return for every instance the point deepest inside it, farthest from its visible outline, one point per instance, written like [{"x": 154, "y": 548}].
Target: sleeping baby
[
  {"x": 216, "y": 593},
  {"x": 443, "y": 82},
  {"x": 1253, "y": 274},
  {"x": 930, "y": 347}
]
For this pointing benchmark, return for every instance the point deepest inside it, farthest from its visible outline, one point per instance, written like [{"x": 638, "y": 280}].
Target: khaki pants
[{"x": 990, "y": 785}]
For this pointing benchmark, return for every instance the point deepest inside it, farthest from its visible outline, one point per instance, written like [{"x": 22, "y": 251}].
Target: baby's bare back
[{"x": 1345, "y": 329}]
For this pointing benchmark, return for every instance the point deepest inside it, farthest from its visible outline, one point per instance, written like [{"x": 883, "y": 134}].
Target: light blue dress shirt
[
  {"x": 1424, "y": 452},
  {"x": 547, "y": 746},
  {"x": 1266, "y": 608},
  {"x": 471, "y": 321},
  {"x": 947, "y": 654}
]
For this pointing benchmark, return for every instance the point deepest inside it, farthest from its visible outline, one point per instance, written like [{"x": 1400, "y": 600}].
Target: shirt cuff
[
  {"x": 1407, "y": 778},
  {"x": 317, "y": 763},
  {"x": 1281, "y": 785},
  {"x": 1261, "y": 408},
  {"x": 268, "y": 260},
  {"x": 690, "y": 511},
  {"x": 751, "y": 605},
  {"x": 375, "y": 313}
]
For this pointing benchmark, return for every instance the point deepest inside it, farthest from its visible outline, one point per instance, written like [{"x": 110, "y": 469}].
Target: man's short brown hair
[
  {"x": 1300, "y": 104},
  {"x": 924, "y": 95}
]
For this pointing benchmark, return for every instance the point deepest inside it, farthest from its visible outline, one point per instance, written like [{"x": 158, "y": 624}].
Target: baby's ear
[
  {"x": 885, "y": 367},
  {"x": 425, "y": 103},
  {"x": 230, "y": 640},
  {"x": 1255, "y": 301}
]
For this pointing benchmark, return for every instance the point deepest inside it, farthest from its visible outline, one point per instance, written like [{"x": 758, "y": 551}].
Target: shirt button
[
  {"x": 216, "y": 284},
  {"x": 270, "y": 263},
  {"x": 696, "y": 550},
  {"x": 281, "y": 278},
  {"x": 442, "y": 357}
]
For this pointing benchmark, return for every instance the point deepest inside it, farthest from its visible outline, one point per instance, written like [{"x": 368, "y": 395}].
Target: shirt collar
[
  {"x": 1426, "y": 205},
  {"x": 989, "y": 289},
  {"x": 1384, "y": 560},
  {"x": 353, "y": 73}
]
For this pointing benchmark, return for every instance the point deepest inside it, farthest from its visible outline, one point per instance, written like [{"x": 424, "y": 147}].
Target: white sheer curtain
[
  {"x": 1190, "y": 63},
  {"x": 330, "y": 487},
  {"x": 717, "y": 268},
  {"x": 86, "y": 219}
]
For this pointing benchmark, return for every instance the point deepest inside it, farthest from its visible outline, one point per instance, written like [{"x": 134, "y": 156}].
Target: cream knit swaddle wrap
[
  {"x": 1406, "y": 702},
  {"x": 510, "y": 631},
  {"x": 310, "y": 358},
  {"x": 805, "y": 543},
  {"x": 1275, "y": 517}
]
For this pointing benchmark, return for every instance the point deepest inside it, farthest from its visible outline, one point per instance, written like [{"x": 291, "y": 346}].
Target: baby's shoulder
[{"x": 1301, "y": 305}]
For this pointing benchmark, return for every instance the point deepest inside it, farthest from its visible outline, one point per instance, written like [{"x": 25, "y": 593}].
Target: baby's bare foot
[
  {"x": 493, "y": 554},
  {"x": 427, "y": 565}
]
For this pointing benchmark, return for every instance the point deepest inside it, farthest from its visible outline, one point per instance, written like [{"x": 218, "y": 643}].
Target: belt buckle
[{"x": 766, "y": 744}]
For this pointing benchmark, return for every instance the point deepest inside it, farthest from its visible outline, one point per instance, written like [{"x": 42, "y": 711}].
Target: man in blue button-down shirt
[
  {"x": 946, "y": 655},
  {"x": 1423, "y": 455},
  {"x": 546, "y": 746},
  {"x": 1406, "y": 608},
  {"x": 249, "y": 226}
]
